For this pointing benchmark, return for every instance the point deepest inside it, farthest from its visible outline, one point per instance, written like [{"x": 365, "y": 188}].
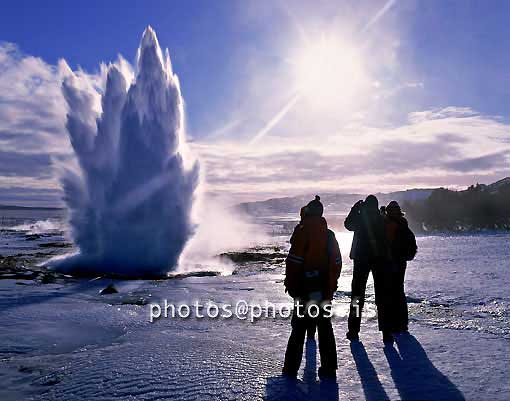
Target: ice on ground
[
  {"x": 39, "y": 227},
  {"x": 64, "y": 341}
]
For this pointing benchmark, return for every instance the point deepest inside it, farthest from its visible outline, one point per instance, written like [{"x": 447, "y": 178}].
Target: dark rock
[
  {"x": 194, "y": 274},
  {"x": 56, "y": 245},
  {"x": 48, "y": 278},
  {"x": 247, "y": 257},
  {"x": 109, "y": 290}
]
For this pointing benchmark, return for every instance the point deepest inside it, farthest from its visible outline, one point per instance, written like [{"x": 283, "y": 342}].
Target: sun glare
[{"x": 328, "y": 70}]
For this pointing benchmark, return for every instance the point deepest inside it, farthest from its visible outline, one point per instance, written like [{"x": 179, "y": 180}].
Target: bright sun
[
  {"x": 328, "y": 75},
  {"x": 328, "y": 70}
]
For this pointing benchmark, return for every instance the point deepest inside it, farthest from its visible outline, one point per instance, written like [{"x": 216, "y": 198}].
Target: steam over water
[{"x": 130, "y": 202}]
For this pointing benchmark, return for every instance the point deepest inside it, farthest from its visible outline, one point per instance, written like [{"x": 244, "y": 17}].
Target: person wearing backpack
[
  {"x": 312, "y": 270},
  {"x": 402, "y": 248}
]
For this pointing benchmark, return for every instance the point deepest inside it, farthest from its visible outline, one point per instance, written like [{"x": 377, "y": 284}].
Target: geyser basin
[{"x": 130, "y": 200}]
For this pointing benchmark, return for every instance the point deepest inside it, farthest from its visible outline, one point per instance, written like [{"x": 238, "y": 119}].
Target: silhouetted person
[
  {"x": 311, "y": 328},
  {"x": 312, "y": 270},
  {"x": 368, "y": 252},
  {"x": 402, "y": 248}
]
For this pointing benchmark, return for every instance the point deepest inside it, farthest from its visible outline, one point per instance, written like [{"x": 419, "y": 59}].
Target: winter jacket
[
  {"x": 314, "y": 261},
  {"x": 400, "y": 239},
  {"x": 368, "y": 243}
]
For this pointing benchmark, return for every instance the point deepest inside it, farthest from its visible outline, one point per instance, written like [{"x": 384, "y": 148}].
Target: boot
[
  {"x": 325, "y": 374},
  {"x": 287, "y": 373}
]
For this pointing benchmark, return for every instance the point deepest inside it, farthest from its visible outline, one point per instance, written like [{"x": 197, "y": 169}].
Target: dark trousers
[
  {"x": 327, "y": 344},
  {"x": 311, "y": 328},
  {"x": 397, "y": 314},
  {"x": 360, "y": 273},
  {"x": 403, "y": 311}
]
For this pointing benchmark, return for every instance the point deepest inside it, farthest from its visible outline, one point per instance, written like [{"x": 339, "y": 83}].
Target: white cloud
[
  {"x": 448, "y": 146},
  {"x": 32, "y": 110}
]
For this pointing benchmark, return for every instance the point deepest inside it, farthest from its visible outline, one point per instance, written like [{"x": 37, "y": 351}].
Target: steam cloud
[{"x": 130, "y": 201}]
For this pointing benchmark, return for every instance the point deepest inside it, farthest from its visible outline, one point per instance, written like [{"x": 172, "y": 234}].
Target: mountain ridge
[
  {"x": 333, "y": 202},
  {"x": 340, "y": 203}
]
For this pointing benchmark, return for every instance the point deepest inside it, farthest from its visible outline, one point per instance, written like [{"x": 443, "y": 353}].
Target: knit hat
[
  {"x": 393, "y": 209},
  {"x": 372, "y": 203},
  {"x": 314, "y": 208}
]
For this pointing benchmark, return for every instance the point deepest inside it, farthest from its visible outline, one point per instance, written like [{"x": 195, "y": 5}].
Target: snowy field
[{"x": 61, "y": 340}]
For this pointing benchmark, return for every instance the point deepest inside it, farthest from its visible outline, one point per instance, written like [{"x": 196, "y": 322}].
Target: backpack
[
  {"x": 409, "y": 247},
  {"x": 316, "y": 282}
]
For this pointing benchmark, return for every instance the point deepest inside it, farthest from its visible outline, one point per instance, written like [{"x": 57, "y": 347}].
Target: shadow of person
[
  {"x": 282, "y": 388},
  {"x": 372, "y": 387},
  {"x": 310, "y": 370},
  {"x": 415, "y": 376}
]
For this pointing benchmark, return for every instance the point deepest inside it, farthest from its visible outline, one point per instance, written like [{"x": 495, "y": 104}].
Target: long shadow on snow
[
  {"x": 415, "y": 376},
  {"x": 280, "y": 388},
  {"x": 372, "y": 387}
]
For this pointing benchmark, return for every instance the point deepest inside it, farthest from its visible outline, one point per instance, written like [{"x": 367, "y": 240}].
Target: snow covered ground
[{"x": 64, "y": 341}]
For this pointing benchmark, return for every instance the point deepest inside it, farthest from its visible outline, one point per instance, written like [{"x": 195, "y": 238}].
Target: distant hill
[
  {"x": 335, "y": 203},
  {"x": 497, "y": 186},
  {"x": 480, "y": 207}
]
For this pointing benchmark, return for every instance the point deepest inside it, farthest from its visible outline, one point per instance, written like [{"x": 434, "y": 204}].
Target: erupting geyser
[{"x": 130, "y": 203}]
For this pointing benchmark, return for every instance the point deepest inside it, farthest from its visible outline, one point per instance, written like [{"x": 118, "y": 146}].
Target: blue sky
[
  {"x": 459, "y": 48},
  {"x": 434, "y": 77}
]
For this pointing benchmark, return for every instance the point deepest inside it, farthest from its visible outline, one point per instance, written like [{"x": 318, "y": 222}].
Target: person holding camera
[{"x": 369, "y": 253}]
